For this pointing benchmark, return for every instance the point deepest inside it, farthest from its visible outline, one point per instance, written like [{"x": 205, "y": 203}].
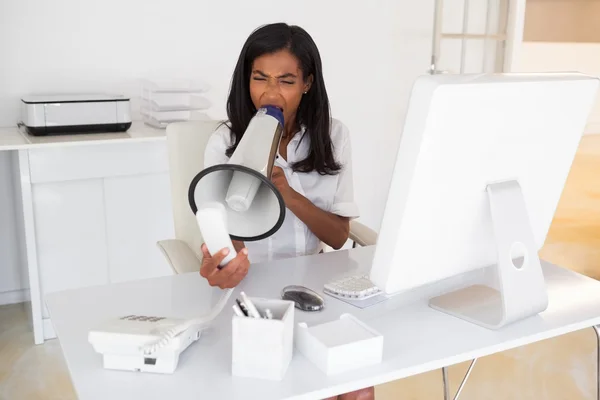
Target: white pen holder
[{"x": 262, "y": 348}]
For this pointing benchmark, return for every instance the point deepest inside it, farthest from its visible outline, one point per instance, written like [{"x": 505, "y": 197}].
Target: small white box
[
  {"x": 262, "y": 348},
  {"x": 340, "y": 345}
]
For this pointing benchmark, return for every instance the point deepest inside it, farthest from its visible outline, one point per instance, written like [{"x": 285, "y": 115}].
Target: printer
[{"x": 75, "y": 113}]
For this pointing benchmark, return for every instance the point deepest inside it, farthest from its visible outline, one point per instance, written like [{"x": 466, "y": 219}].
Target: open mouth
[{"x": 273, "y": 105}]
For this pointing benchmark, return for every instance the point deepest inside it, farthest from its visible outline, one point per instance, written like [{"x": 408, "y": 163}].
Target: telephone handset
[{"x": 149, "y": 343}]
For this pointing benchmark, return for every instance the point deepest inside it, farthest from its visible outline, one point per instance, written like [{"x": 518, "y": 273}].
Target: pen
[
  {"x": 252, "y": 311},
  {"x": 237, "y": 311},
  {"x": 242, "y": 307}
]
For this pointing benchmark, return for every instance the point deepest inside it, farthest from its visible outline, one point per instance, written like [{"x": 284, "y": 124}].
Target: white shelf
[{"x": 11, "y": 139}]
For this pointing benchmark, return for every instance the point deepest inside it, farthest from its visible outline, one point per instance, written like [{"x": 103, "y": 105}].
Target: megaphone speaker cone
[{"x": 255, "y": 209}]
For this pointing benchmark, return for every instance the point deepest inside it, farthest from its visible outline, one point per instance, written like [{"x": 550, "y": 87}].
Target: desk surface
[
  {"x": 416, "y": 338},
  {"x": 13, "y": 138}
]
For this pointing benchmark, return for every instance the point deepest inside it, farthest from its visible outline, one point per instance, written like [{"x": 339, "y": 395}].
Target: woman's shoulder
[
  {"x": 222, "y": 133},
  {"x": 340, "y": 135},
  {"x": 221, "y": 137},
  {"x": 217, "y": 145}
]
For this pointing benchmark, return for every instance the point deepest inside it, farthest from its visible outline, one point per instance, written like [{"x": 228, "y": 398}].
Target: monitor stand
[{"x": 522, "y": 290}]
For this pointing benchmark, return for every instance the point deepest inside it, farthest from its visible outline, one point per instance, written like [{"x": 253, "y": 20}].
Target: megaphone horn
[{"x": 254, "y": 208}]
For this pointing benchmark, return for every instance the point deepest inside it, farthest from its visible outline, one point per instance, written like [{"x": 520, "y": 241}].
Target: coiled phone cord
[{"x": 204, "y": 321}]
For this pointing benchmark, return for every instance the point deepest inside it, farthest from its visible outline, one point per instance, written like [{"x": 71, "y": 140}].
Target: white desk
[{"x": 416, "y": 338}]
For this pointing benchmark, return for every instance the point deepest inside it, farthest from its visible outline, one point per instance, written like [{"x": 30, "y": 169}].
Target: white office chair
[{"x": 186, "y": 142}]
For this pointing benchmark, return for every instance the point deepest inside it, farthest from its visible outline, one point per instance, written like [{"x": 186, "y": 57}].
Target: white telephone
[{"x": 149, "y": 343}]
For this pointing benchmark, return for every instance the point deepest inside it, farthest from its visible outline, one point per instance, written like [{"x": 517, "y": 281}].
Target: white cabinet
[
  {"x": 12, "y": 281},
  {"x": 98, "y": 211},
  {"x": 70, "y": 235}
]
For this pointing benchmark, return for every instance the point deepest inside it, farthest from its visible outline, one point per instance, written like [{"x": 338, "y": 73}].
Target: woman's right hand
[{"x": 231, "y": 274}]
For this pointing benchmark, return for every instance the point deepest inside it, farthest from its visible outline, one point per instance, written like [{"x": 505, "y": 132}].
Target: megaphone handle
[{"x": 211, "y": 222}]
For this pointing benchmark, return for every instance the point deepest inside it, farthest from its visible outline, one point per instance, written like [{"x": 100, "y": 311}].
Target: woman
[{"x": 280, "y": 65}]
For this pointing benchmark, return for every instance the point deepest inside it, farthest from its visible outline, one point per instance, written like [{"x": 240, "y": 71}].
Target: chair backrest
[{"x": 186, "y": 142}]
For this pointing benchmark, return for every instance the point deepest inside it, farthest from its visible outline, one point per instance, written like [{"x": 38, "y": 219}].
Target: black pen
[{"x": 242, "y": 307}]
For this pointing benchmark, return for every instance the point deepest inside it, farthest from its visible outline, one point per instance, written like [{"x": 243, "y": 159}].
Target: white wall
[
  {"x": 371, "y": 53},
  {"x": 581, "y": 57}
]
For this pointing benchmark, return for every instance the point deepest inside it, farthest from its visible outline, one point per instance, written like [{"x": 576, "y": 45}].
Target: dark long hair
[{"x": 313, "y": 111}]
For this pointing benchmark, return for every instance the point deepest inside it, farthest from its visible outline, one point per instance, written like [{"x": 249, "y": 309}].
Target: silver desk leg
[
  {"x": 464, "y": 381},
  {"x": 445, "y": 381},
  {"x": 597, "y": 331}
]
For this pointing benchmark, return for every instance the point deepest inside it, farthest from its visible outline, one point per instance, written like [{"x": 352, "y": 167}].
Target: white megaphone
[{"x": 251, "y": 206}]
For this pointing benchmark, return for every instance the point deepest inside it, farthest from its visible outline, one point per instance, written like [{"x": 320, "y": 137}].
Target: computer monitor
[{"x": 479, "y": 172}]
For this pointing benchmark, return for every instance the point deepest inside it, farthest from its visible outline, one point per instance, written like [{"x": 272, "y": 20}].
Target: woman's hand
[
  {"x": 231, "y": 274},
  {"x": 280, "y": 181}
]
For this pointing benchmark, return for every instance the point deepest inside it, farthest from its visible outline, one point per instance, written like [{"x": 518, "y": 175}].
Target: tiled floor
[{"x": 559, "y": 368}]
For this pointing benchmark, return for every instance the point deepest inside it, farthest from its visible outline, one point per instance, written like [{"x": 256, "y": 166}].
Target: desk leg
[
  {"x": 464, "y": 381},
  {"x": 26, "y": 228},
  {"x": 445, "y": 382},
  {"x": 597, "y": 331}
]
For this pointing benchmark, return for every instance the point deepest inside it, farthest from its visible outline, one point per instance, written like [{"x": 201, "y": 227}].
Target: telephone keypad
[{"x": 142, "y": 318}]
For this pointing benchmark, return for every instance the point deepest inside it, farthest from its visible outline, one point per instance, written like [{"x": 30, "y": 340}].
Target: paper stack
[{"x": 167, "y": 101}]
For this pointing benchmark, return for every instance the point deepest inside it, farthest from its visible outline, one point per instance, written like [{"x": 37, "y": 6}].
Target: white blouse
[{"x": 333, "y": 193}]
